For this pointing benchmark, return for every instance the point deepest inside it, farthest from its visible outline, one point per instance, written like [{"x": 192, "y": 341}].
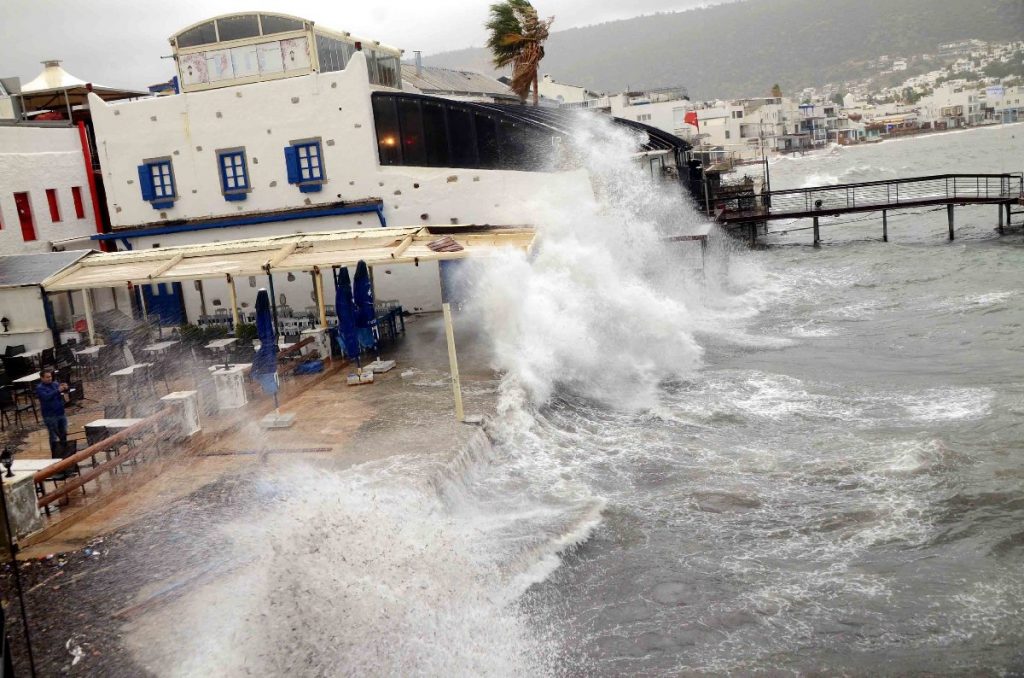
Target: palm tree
[{"x": 516, "y": 39}]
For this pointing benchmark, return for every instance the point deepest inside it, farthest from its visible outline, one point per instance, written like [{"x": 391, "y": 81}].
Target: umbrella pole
[{"x": 273, "y": 301}]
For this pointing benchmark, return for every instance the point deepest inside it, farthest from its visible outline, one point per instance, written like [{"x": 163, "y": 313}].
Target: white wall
[
  {"x": 23, "y": 307},
  {"x": 263, "y": 118},
  {"x": 33, "y": 159}
]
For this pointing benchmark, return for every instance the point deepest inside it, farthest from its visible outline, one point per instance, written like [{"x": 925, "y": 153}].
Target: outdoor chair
[
  {"x": 14, "y": 349},
  {"x": 64, "y": 476},
  {"x": 48, "y": 358},
  {"x": 8, "y": 404}
]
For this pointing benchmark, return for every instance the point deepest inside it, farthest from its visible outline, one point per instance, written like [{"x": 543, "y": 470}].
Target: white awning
[{"x": 296, "y": 252}]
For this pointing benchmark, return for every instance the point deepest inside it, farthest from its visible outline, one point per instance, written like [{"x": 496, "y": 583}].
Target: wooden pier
[{"x": 1003, "y": 190}]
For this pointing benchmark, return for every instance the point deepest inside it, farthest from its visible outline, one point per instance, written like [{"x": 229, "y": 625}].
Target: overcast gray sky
[{"x": 120, "y": 42}]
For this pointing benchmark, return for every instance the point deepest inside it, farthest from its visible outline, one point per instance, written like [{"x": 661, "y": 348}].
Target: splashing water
[{"x": 411, "y": 567}]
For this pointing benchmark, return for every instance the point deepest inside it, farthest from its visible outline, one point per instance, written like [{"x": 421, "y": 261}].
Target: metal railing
[
  {"x": 117, "y": 443},
  {"x": 896, "y": 193}
]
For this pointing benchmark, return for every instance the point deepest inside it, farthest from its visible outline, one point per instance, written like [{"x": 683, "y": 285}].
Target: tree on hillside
[
  {"x": 776, "y": 91},
  {"x": 516, "y": 38}
]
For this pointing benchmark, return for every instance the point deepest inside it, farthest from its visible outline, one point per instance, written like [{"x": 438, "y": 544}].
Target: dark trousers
[{"x": 58, "y": 429}]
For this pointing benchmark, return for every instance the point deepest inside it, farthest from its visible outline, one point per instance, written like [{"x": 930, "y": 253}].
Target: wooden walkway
[{"x": 1004, "y": 190}]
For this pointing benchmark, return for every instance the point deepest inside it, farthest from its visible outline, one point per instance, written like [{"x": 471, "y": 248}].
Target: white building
[
  {"x": 563, "y": 93},
  {"x": 328, "y": 147},
  {"x": 45, "y": 196}
]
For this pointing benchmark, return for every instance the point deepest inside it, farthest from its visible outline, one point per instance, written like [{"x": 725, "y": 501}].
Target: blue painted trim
[
  {"x": 127, "y": 244},
  {"x": 380, "y": 216},
  {"x": 223, "y": 159},
  {"x": 234, "y": 197},
  {"x": 245, "y": 221},
  {"x": 311, "y": 188},
  {"x": 162, "y": 204}
]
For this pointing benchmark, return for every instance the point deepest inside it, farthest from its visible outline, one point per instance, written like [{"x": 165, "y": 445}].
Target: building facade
[
  {"x": 302, "y": 154},
  {"x": 45, "y": 197}
]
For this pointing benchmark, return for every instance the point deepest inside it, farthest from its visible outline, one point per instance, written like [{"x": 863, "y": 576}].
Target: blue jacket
[{"x": 51, "y": 400}]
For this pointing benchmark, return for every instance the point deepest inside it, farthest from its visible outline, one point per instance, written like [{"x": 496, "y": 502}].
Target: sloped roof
[
  {"x": 434, "y": 80},
  {"x": 19, "y": 270}
]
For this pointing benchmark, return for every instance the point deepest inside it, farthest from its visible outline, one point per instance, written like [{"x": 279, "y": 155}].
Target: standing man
[{"x": 51, "y": 402}]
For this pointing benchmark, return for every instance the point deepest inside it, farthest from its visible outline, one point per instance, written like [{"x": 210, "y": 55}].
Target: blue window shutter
[
  {"x": 291, "y": 161},
  {"x": 311, "y": 188},
  {"x": 146, "y": 182}
]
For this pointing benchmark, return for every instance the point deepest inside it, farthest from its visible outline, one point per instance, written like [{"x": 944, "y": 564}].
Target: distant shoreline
[{"x": 817, "y": 152}]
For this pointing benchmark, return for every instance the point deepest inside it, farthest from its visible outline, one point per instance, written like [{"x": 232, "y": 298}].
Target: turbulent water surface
[
  {"x": 807, "y": 461},
  {"x": 839, "y": 488}
]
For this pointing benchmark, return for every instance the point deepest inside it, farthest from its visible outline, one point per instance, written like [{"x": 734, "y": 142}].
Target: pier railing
[{"x": 871, "y": 195}]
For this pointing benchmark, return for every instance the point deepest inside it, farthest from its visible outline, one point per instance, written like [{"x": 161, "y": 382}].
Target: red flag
[{"x": 691, "y": 119}]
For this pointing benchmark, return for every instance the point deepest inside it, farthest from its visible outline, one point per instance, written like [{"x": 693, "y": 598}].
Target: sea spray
[
  {"x": 604, "y": 306},
  {"x": 407, "y": 567}
]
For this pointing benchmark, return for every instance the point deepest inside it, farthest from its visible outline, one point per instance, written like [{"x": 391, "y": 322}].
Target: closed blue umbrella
[
  {"x": 264, "y": 364},
  {"x": 366, "y": 317},
  {"x": 347, "y": 335}
]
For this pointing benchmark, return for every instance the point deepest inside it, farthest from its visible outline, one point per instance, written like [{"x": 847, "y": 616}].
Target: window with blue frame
[
  {"x": 305, "y": 165},
  {"x": 234, "y": 173},
  {"x": 156, "y": 180}
]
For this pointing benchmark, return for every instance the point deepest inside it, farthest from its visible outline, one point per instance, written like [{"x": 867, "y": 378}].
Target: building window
[
  {"x": 728, "y": 135},
  {"x": 51, "y": 199},
  {"x": 234, "y": 173},
  {"x": 76, "y": 195},
  {"x": 305, "y": 164},
  {"x": 156, "y": 180},
  {"x": 28, "y": 227}
]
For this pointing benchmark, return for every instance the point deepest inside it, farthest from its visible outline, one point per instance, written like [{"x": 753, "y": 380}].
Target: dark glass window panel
[
  {"x": 385, "y": 118},
  {"x": 279, "y": 24},
  {"x": 414, "y": 151},
  {"x": 462, "y": 135},
  {"x": 371, "y": 65},
  {"x": 514, "y": 148},
  {"x": 238, "y": 27},
  {"x": 345, "y": 52},
  {"x": 435, "y": 134},
  {"x": 487, "y": 142},
  {"x": 203, "y": 34}
]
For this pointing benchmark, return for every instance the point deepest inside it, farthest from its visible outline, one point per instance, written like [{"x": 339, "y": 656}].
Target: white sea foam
[{"x": 949, "y": 404}]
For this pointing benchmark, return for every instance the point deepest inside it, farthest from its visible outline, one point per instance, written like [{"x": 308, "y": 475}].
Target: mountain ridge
[{"x": 743, "y": 48}]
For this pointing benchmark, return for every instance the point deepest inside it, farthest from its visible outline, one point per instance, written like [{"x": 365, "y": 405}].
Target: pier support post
[
  {"x": 1009, "y": 214},
  {"x": 885, "y": 226},
  {"x": 1000, "y": 219},
  {"x": 817, "y": 234},
  {"x": 949, "y": 216}
]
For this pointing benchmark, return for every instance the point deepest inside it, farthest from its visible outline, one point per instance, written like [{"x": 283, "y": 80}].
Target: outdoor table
[
  {"x": 159, "y": 347},
  {"x": 31, "y": 355},
  {"x": 113, "y": 425},
  {"x": 28, "y": 378},
  {"x": 130, "y": 370},
  {"x": 220, "y": 344},
  {"x": 89, "y": 351},
  {"x": 126, "y": 386},
  {"x": 229, "y": 382}
]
